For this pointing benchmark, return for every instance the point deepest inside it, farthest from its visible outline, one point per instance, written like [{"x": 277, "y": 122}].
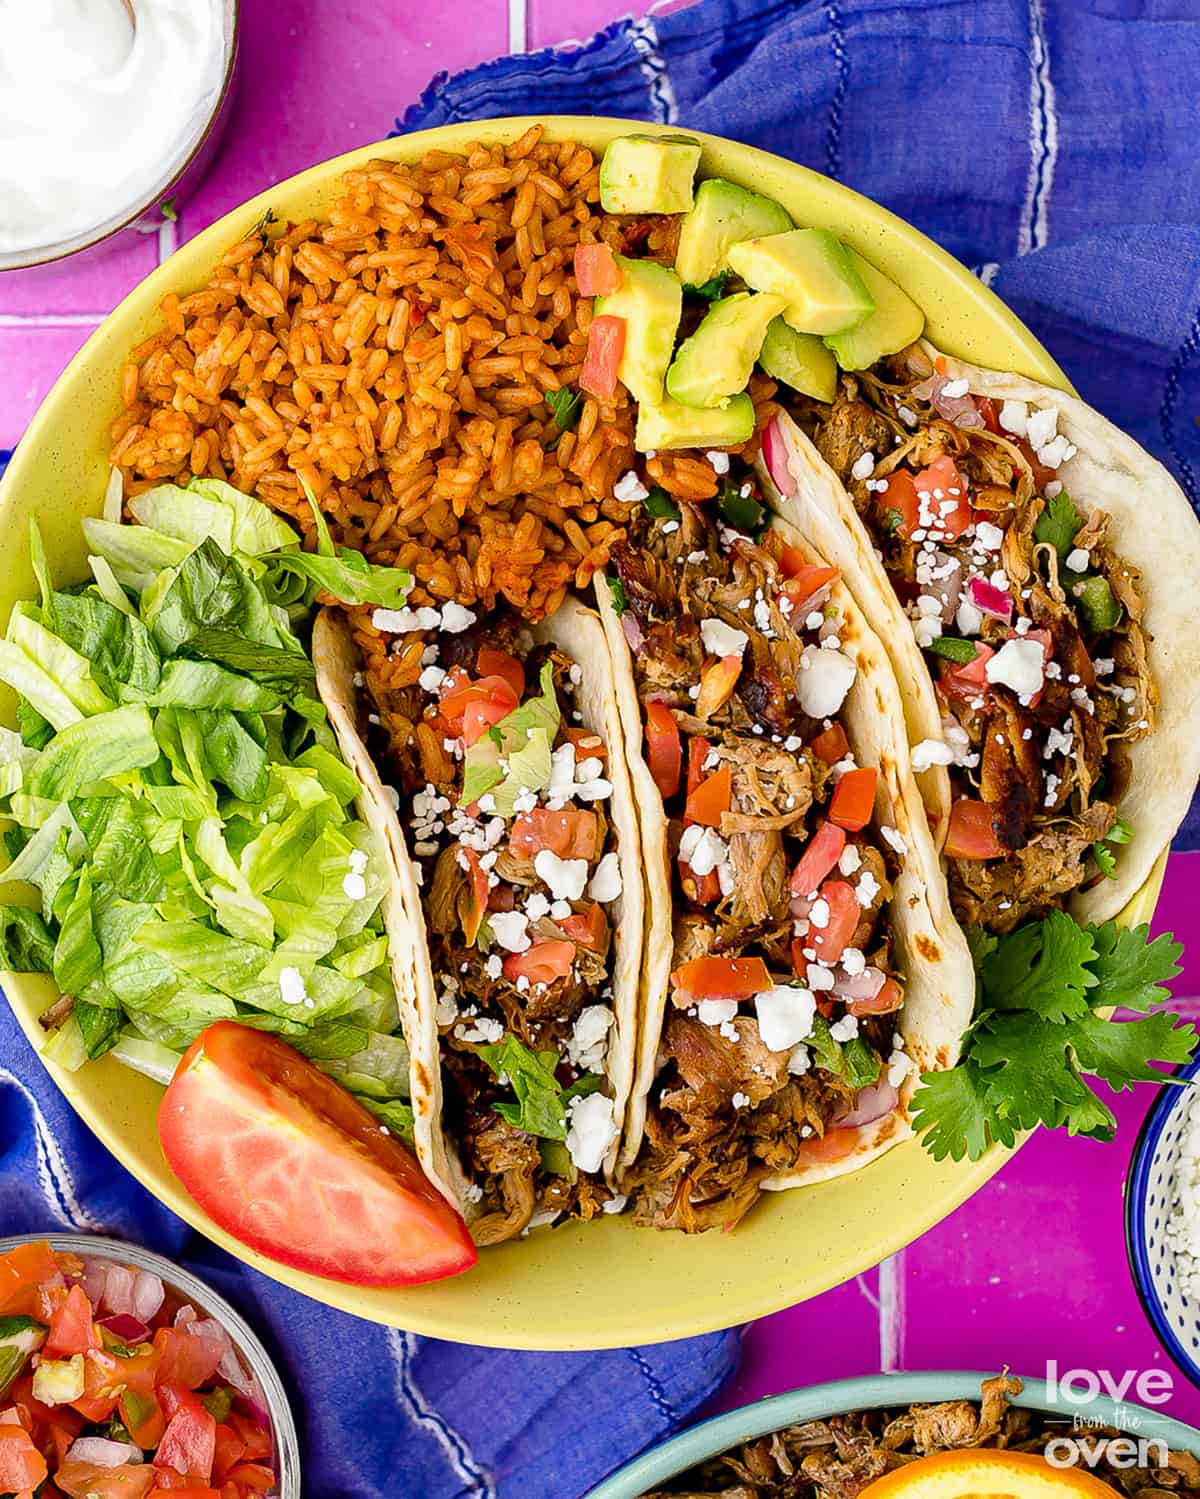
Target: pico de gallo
[
  {"x": 113, "y": 1386},
  {"x": 503, "y": 783},
  {"x": 781, "y": 1036}
]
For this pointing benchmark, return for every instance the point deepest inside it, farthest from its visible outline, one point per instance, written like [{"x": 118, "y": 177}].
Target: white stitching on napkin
[
  {"x": 402, "y": 1346},
  {"x": 1043, "y": 137},
  {"x": 54, "y": 1175},
  {"x": 644, "y": 36}
]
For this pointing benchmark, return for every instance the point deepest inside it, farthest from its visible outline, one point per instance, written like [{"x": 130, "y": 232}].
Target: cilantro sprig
[{"x": 1038, "y": 1035}]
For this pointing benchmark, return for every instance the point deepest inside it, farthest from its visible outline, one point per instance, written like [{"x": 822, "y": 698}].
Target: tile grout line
[
  {"x": 51, "y": 319},
  {"x": 168, "y": 240},
  {"x": 891, "y": 1313},
  {"x": 518, "y": 25}
]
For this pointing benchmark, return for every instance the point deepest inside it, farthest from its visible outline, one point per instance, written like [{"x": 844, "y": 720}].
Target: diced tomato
[
  {"x": 587, "y": 929},
  {"x": 261, "y": 1139},
  {"x": 186, "y": 1362},
  {"x": 252, "y": 1478},
  {"x": 22, "y": 1466},
  {"x": 698, "y": 748},
  {"x": 1041, "y": 474},
  {"x": 711, "y": 799},
  {"x": 188, "y": 1492},
  {"x": 967, "y": 682},
  {"x": 189, "y": 1442},
  {"x": 942, "y": 474},
  {"x": 588, "y": 744},
  {"x": 823, "y": 851},
  {"x": 831, "y": 745},
  {"x": 899, "y": 499},
  {"x": 722, "y": 978},
  {"x": 571, "y": 833},
  {"x": 803, "y": 585},
  {"x": 834, "y": 1145},
  {"x": 606, "y": 344},
  {"x": 597, "y": 273},
  {"x": 971, "y": 834},
  {"x": 889, "y": 998},
  {"x": 829, "y": 941},
  {"x": 717, "y": 681},
  {"x": 62, "y": 1438},
  {"x": 664, "y": 749},
  {"x": 143, "y": 1418},
  {"x": 140, "y": 1371},
  {"x": 541, "y": 964},
  {"x": 258, "y": 1442},
  {"x": 91, "y": 1481},
  {"x": 1046, "y": 641},
  {"x": 103, "y": 1376},
  {"x": 493, "y": 663},
  {"x": 482, "y": 712},
  {"x": 991, "y": 419},
  {"x": 701, "y": 889},
  {"x": 229, "y": 1449},
  {"x": 480, "y": 892},
  {"x": 22, "y": 1271},
  {"x": 790, "y": 559},
  {"x": 71, "y": 1328},
  {"x": 854, "y": 799}
]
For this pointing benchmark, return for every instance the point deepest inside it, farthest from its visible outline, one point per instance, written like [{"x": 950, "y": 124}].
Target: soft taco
[
  {"x": 489, "y": 753},
  {"x": 1012, "y": 548},
  {"x": 802, "y": 967}
]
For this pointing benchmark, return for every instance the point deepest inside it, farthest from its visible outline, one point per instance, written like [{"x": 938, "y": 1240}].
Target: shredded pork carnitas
[
  {"x": 726, "y": 1110},
  {"x": 968, "y": 516},
  {"x": 837, "y": 1458}
]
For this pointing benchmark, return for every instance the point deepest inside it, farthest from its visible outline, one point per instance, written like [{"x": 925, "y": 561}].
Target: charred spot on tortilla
[{"x": 927, "y": 947}]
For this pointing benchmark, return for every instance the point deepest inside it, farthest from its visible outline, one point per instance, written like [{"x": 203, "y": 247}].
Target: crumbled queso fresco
[{"x": 1183, "y": 1226}]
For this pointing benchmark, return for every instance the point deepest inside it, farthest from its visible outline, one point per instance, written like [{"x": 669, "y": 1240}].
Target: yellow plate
[{"x": 584, "y": 1285}]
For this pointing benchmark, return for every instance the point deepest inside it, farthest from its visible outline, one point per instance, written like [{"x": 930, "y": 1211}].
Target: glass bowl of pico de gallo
[{"x": 122, "y": 1376}]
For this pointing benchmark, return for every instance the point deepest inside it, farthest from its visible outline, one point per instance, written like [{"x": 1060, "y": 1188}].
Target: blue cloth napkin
[{"x": 1052, "y": 147}]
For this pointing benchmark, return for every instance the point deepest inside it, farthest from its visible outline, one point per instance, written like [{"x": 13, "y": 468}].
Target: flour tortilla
[
  {"x": 1153, "y": 528},
  {"x": 577, "y": 632},
  {"x": 930, "y": 948}
]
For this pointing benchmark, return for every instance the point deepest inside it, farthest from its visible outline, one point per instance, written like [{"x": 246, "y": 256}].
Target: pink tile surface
[{"x": 1034, "y": 1266}]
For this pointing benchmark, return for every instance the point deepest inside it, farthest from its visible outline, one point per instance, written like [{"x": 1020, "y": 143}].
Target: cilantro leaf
[
  {"x": 1120, "y": 832},
  {"x": 981, "y": 944},
  {"x": 1042, "y": 967},
  {"x": 1117, "y": 1050},
  {"x": 566, "y": 405},
  {"x": 1092, "y": 1118},
  {"x": 1106, "y": 859},
  {"x": 951, "y": 1114},
  {"x": 951, "y": 648},
  {"x": 617, "y": 589},
  {"x": 1030, "y": 1078},
  {"x": 1130, "y": 970},
  {"x": 1059, "y": 524},
  {"x": 709, "y": 290}
]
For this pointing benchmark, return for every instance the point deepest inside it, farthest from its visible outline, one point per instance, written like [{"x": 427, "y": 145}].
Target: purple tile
[
  {"x": 315, "y": 80},
  {"x": 93, "y": 282},
  {"x": 31, "y": 359},
  {"x": 552, "y": 25}
]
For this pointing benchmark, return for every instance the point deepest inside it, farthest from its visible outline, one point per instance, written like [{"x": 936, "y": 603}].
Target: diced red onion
[
  {"x": 95, "y": 1274},
  {"x": 254, "y": 1406},
  {"x": 774, "y": 450},
  {"x": 148, "y": 1295},
  {"x": 961, "y": 410},
  {"x": 632, "y": 631},
  {"x": 864, "y": 985},
  {"x": 924, "y": 391},
  {"x": 185, "y": 1315},
  {"x": 118, "y": 1289},
  {"x": 126, "y": 1327},
  {"x": 102, "y": 1452},
  {"x": 871, "y": 1104},
  {"x": 991, "y": 600},
  {"x": 800, "y": 906},
  {"x": 232, "y": 1372}
]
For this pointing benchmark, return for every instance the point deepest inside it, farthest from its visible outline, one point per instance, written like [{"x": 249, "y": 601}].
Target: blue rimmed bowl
[{"x": 1149, "y": 1201}]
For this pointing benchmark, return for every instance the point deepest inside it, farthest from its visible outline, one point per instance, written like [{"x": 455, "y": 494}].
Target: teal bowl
[{"x": 818, "y": 1402}]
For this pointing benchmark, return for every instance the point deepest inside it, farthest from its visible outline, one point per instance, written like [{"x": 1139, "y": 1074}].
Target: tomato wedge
[
  {"x": 824, "y": 850},
  {"x": 493, "y": 663},
  {"x": 829, "y": 942},
  {"x": 664, "y": 749},
  {"x": 597, "y": 273},
  {"x": 541, "y": 964},
  {"x": 831, "y": 745},
  {"x": 287, "y": 1162},
  {"x": 854, "y": 799},
  {"x": 587, "y": 928},
  {"x": 571, "y": 834},
  {"x": 606, "y": 344},
  {"x": 971, "y": 834},
  {"x": 711, "y": 799},
  {"x": 722, "y": 978}
]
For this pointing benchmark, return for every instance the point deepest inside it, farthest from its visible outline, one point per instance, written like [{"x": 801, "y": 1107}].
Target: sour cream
[{"x": 94, "y": 112}]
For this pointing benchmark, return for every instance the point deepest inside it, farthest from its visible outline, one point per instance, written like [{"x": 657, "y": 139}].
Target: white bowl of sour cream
[{"x": 103, "y": 119}]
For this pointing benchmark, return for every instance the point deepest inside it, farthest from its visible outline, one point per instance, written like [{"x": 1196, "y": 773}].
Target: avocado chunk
[
  {"x": 650, "y": 300},
  {"x": 800, "y": 360},
  {"x": 716, "y": 362},
  {"x": 814, "y": 271},
  {"x": 19, "y": 1337},
  {"x": 724, "y": 215},
  {"x": 671, "y": 424},
  {"x": 648, "y": 174},
  {"x": 896, "y": 322}
]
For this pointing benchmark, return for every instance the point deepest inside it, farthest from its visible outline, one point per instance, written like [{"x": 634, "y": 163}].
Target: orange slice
[{"x": 987, "y": 1473}]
